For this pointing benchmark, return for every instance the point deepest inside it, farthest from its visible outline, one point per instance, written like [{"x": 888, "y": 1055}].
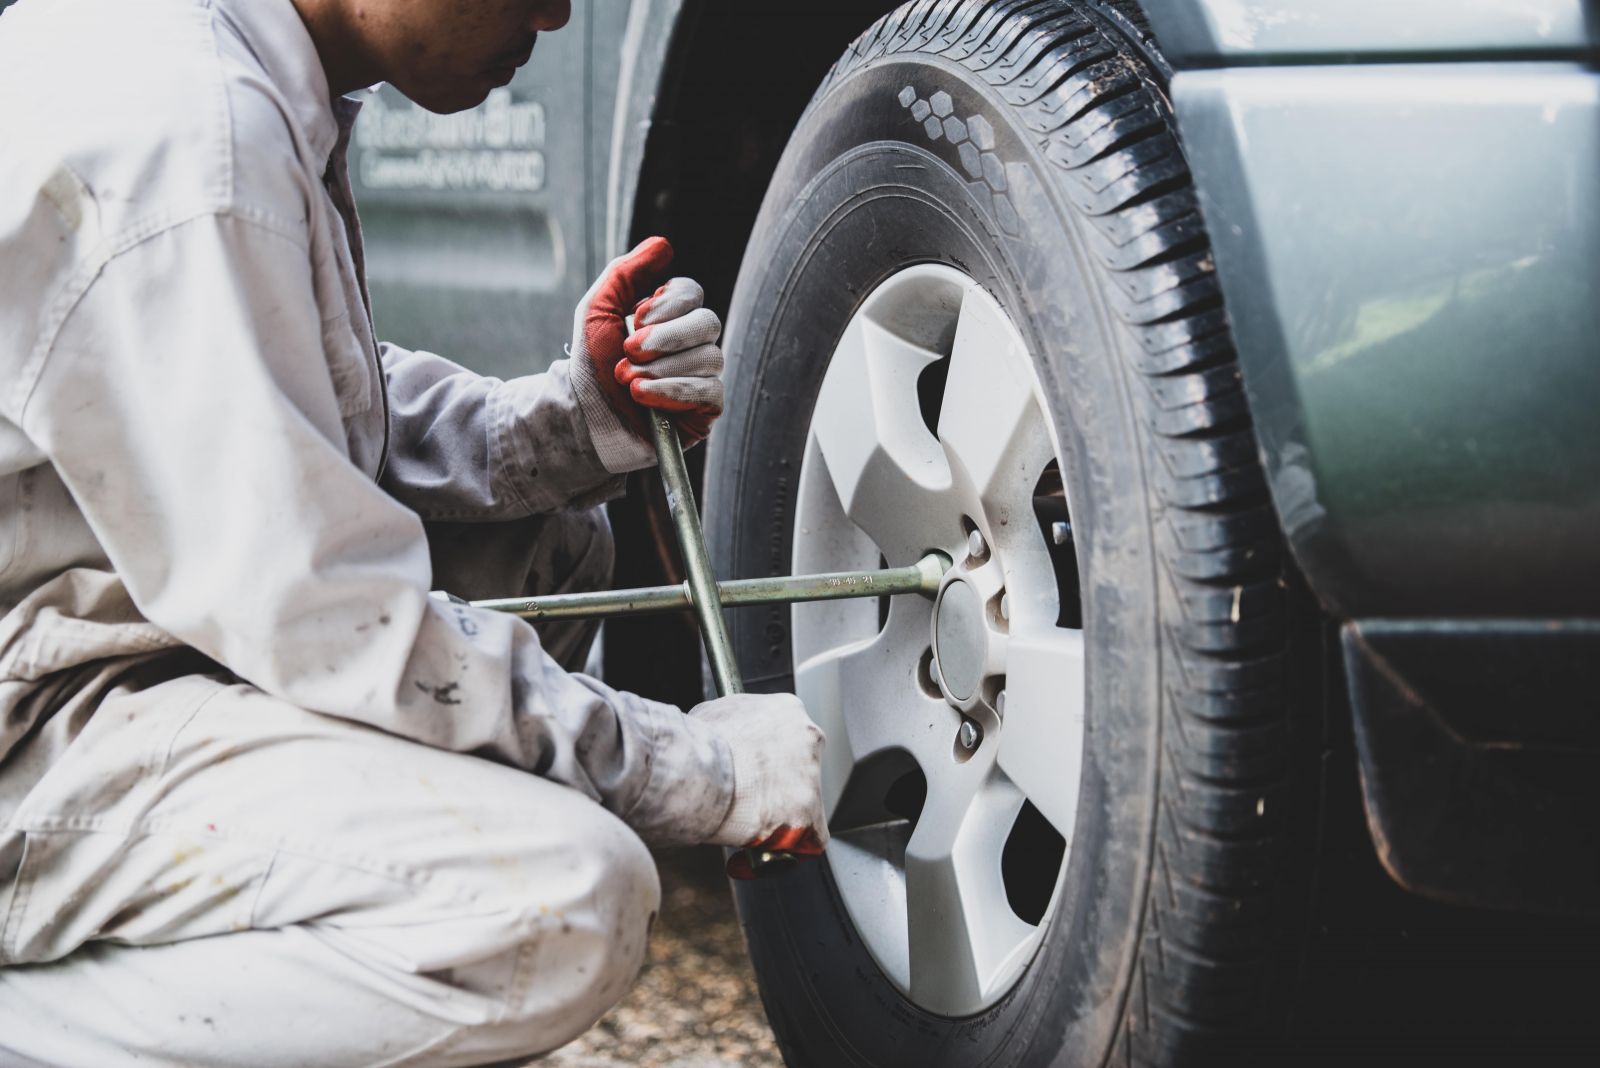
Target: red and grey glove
[{"x": 672, "y": 363}]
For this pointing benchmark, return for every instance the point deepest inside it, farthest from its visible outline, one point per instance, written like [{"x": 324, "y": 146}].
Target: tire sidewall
[{"x": 861, "y": 193}]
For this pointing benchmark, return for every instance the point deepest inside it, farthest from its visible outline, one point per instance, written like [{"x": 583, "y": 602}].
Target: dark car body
[{"x": 1404, "y": 202}]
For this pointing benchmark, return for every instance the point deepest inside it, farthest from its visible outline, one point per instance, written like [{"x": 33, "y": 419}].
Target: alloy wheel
[{"x": 955, "y": 726}]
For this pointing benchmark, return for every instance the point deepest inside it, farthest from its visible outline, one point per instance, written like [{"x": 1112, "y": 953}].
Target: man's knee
[
  {"x": 624, "y": 896},
  {"x": 580, "y": 959}
]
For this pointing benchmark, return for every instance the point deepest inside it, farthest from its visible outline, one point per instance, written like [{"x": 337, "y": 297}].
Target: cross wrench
[
  {"x": 707, "y": 598},
  {"x": 921, "y": 577}
]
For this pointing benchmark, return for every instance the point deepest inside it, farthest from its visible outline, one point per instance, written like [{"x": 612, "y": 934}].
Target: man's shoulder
[{"x": 155, "y": 108}]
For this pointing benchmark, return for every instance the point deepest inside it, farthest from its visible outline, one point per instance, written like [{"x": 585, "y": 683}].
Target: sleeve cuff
[
  {"x": 689, "y": 790},
  {"x": 542, "y": 450},
  {"x": 617, "y": 447}
]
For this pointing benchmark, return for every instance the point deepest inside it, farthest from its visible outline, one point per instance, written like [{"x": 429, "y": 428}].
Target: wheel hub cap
[{"x": 960, "y": 646}]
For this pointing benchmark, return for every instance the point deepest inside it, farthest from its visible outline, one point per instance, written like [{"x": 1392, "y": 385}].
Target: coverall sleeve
[
  {"x": 189, "y": 406},
  {"x": 465, "y": 446}
]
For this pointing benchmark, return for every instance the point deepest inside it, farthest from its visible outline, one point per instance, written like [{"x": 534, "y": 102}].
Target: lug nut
[
  {"x": 1000, "y": 704},
  {"x": 976, "y": 546},
  {"x": 1005, "y": 607},
  {"x": 970, "y": 735},
  {"x": 1060, "y": 532}
]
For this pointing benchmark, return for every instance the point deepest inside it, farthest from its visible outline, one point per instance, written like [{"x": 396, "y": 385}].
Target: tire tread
[{"x": 1086, "y": 80}]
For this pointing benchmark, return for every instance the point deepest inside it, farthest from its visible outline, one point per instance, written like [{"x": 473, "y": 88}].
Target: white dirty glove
[{"x": 777, "y": 772}]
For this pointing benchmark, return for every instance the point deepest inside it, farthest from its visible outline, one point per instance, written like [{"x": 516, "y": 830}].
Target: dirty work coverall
[{"x": 262, "y": 801}]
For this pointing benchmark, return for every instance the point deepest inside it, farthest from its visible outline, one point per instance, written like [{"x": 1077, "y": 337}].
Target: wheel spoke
[
  {"x": 1042, "y": 736},
  {"x": 867, "y": 700},
  {"x": 991, "y": 423},
  {"x": 823, "y": 625},
  {"x": 871, "y": 860},
  {"x": 874, "y": 442},
  {"x": 961, "y": 932}
]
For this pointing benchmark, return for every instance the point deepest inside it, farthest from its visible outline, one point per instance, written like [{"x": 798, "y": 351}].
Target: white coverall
[{"x": 262, "y": 801}]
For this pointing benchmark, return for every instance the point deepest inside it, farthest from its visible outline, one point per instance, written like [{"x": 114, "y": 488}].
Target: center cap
[{"x": 959, "y": 641}]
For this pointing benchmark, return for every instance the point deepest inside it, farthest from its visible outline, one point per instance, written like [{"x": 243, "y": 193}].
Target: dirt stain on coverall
[{"x": 444, "y": 695}]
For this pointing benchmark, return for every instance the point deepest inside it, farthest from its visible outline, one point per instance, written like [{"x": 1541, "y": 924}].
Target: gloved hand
[
  {"x": 672, "y": 363},
  {"x": 777, "y": 772}
]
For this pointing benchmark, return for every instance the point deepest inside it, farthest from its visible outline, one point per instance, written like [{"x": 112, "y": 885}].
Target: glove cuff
[
  {"x": 616, "y": 445},
  {"x": 742, "y": 825}
]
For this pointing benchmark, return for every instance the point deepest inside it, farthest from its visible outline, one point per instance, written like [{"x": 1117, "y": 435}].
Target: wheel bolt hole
[
  {"x": 977, "y": 547},
  {"x": 1000, "y": 612},
  {"x": 993, "y": 694},
  {"x": 969, "y": 737},
  {"x": 928, "y": 674}
]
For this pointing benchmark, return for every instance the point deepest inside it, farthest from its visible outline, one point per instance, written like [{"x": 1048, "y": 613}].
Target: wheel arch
[
  {"x": 716, "y": 103},
  {"x": 705, "y": 106}
]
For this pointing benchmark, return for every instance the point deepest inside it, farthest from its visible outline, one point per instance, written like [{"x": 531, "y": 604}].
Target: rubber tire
[{"x": 1169, "y": 940}]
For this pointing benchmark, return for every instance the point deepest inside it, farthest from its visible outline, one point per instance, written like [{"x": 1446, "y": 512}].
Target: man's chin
[{"x": 457, "y": 96}]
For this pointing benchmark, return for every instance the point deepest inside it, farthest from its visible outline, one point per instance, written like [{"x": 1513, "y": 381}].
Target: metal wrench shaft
[
  {"x": 696, "y": 560},
  {"x": 921, "y": 577},
  {"x": 703, "y": 590}
]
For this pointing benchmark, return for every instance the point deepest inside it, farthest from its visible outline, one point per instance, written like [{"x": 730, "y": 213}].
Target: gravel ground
[{"x": 695, "y": 1004}]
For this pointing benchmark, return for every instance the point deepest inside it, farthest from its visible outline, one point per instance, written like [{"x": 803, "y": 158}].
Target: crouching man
[{"x": 263, "y": 801}]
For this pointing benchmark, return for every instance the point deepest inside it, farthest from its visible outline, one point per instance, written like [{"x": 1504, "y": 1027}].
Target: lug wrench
[
  {"x": 921, "y": 577},
  {"x": 706, "y": 596},
  {"x": 703, "y": 591}
]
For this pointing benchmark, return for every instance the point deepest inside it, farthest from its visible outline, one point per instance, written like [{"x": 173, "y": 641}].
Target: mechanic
[{"x": 263, "y": 801}]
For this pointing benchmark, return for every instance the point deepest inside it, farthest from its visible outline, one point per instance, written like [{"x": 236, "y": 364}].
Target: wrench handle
[
  {"x": 707, "y": 598},
  {"x": 696, "y": 560}
]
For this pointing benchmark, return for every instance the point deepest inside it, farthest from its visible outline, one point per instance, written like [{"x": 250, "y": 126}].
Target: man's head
[{"x": 444, "y": 54}]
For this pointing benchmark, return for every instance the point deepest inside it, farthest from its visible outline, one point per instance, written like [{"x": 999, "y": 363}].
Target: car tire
[{"x": 1029, "y": 146}]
